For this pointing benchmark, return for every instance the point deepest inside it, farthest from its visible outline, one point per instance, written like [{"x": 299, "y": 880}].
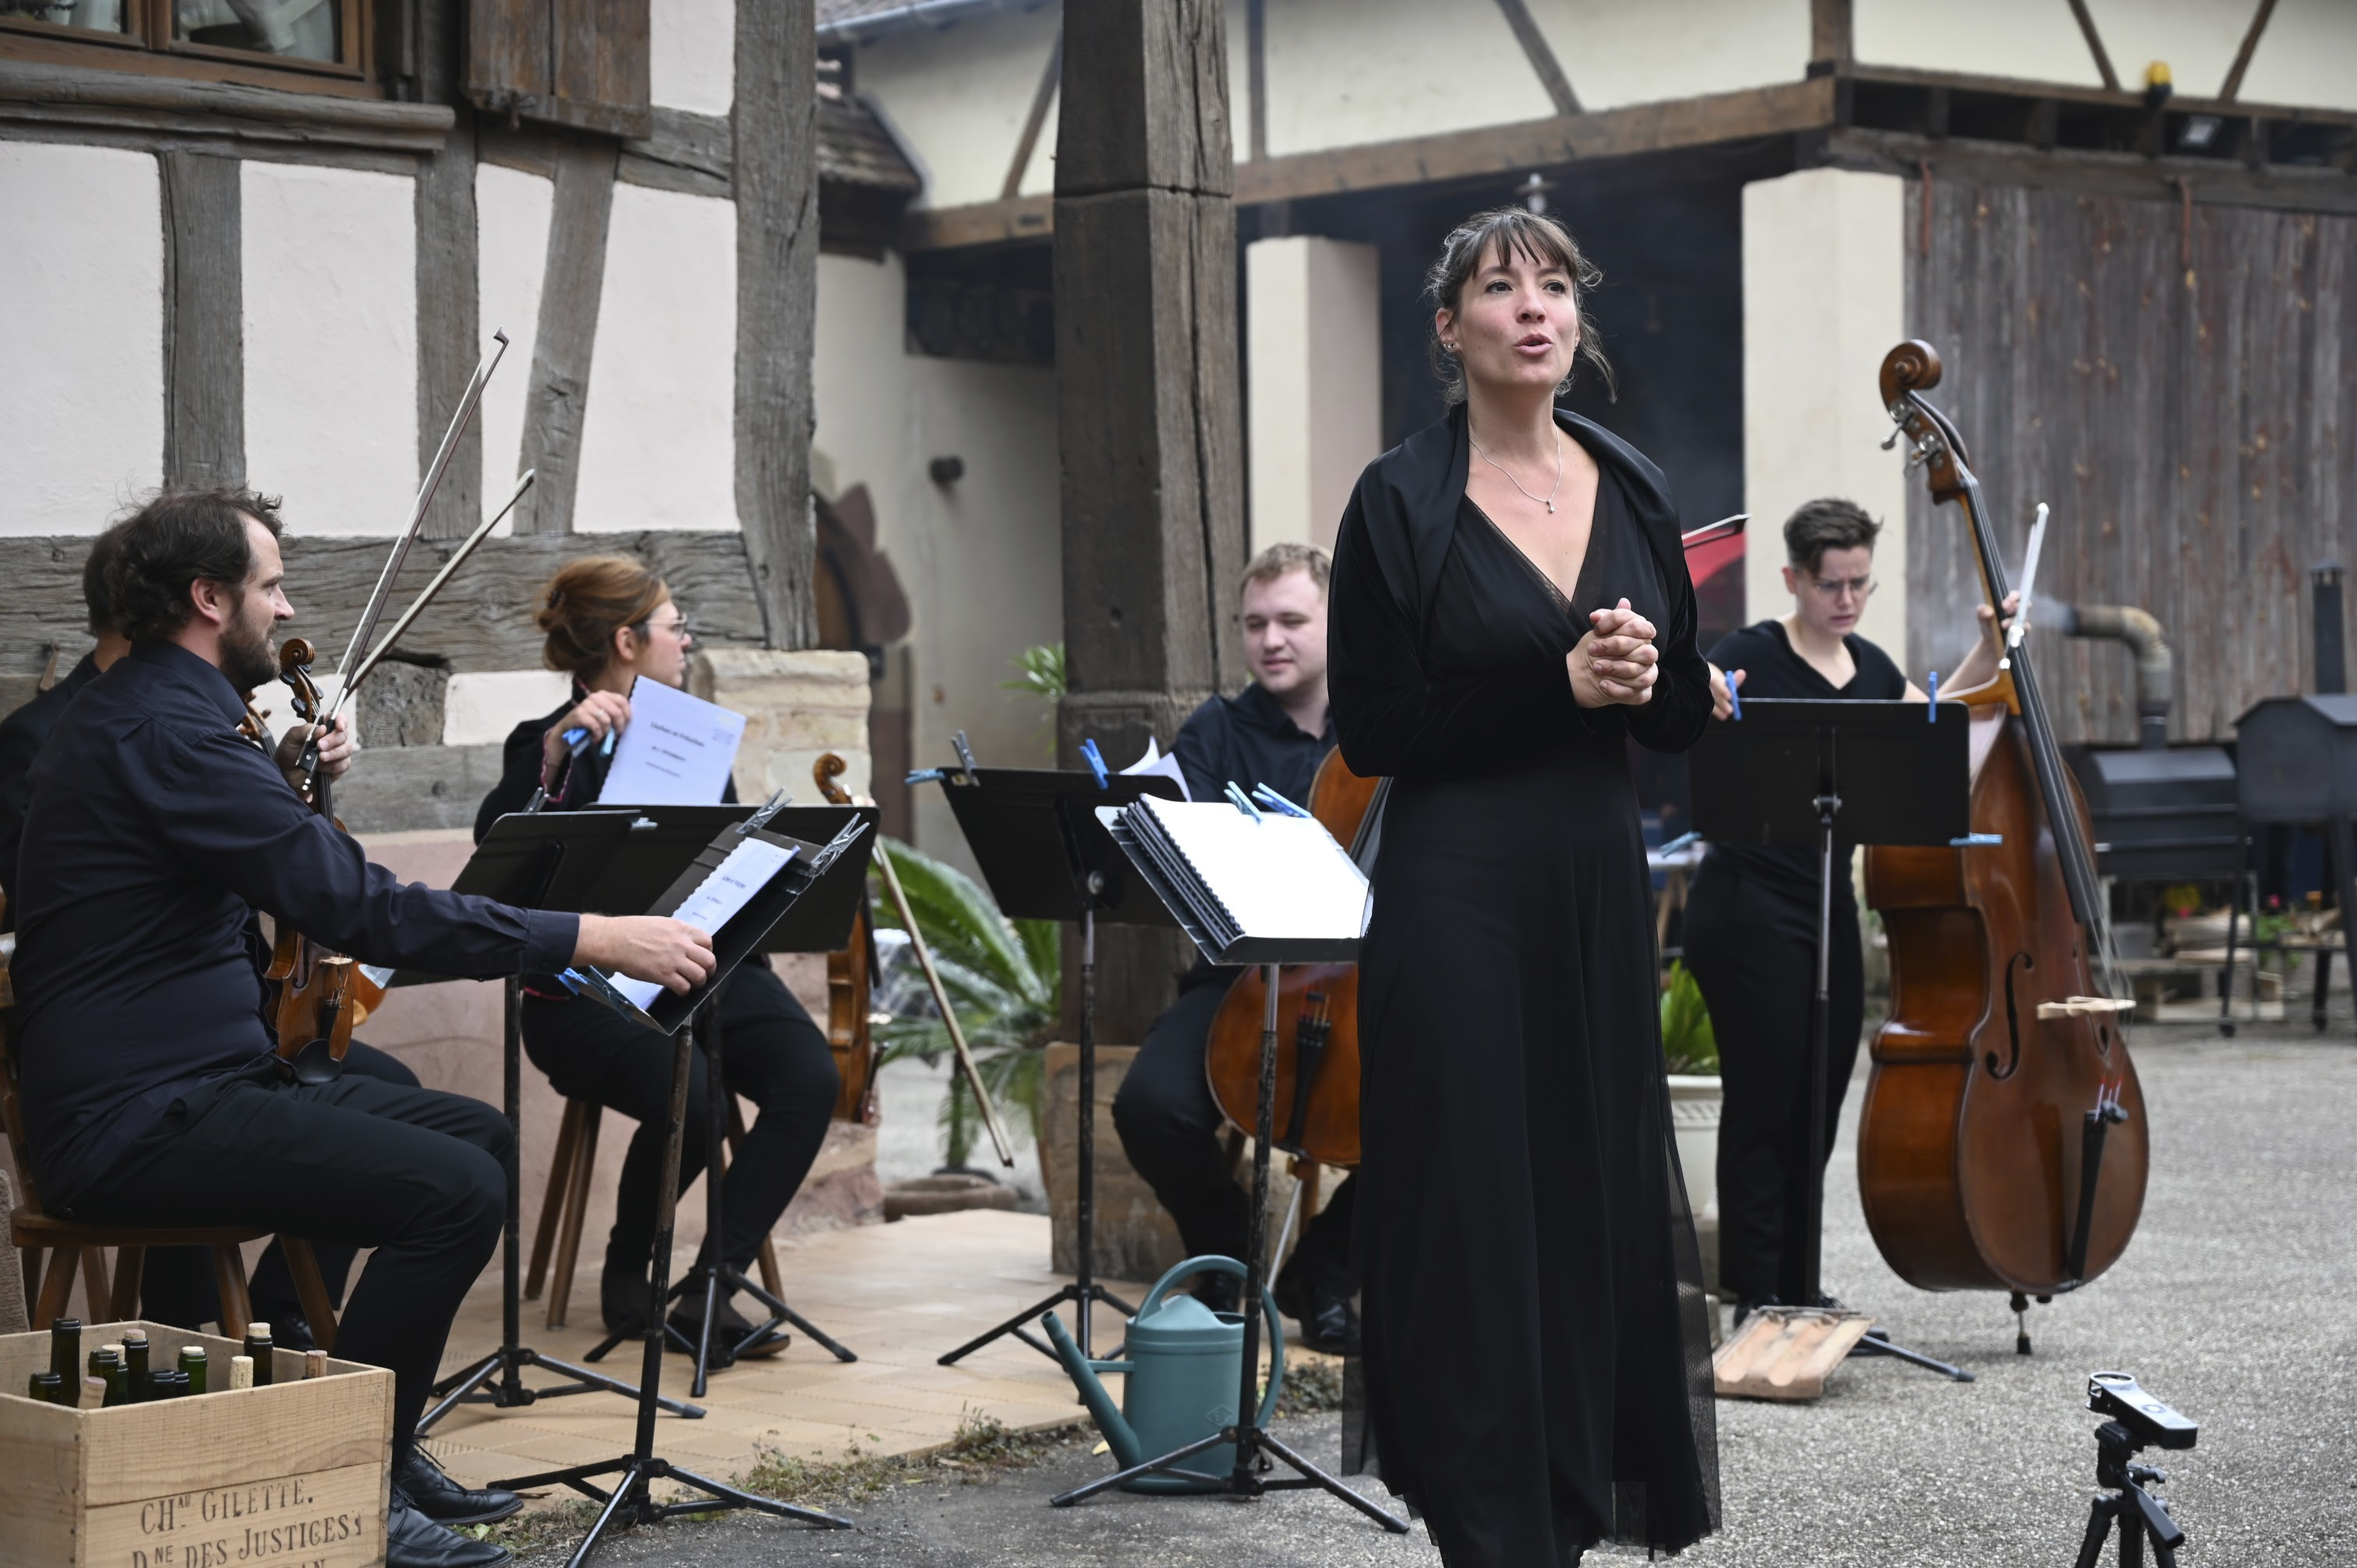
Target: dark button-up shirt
[
  {"x": 1248, "y": 739},
  {"x": 22, "y": 735},
  {"x": 154, "y": 831}
]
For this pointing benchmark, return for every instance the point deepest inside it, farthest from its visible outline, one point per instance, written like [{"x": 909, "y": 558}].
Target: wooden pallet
[{"x": 1785, "y": 1353}]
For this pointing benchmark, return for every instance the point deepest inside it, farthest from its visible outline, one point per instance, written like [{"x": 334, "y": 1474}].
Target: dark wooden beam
[
  {"x": 1436, "y": 159},
  {"x": 220, "y": 111},
  {"x": 2213, "y": 181},
  {"x": 1832, "y": 34},
  {"x": 1148, "y": 421},
  {"x": 449, "y": 326},
  {"x": 1256, "y": 79},
  {"x": 687, "y": 152},
  {"x": 481, "y": 621},
  {"x": 776, "y": 181},
  {"x": 2234, "y": 83},
  {"x": 1036, "y": 120},
  {"x": 2095, "y": 45},
  {"x": 204, "y": 321},
  {"x": 566, "y": 335},
  {"x": 1541, "y": 54}
]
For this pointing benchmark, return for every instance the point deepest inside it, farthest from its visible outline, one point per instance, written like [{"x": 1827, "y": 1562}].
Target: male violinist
[
  {"x": 1751, "y": 920},
  {"x": 1275, "y": 732},
  {"x": 176, "y": 1284},
  {"x": 151, "y": 1095}
]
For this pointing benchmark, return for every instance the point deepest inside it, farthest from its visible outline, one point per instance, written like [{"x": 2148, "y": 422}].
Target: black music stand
[
  {"x": 820, "y": 921},
  {"x": 631, "y": 1500},
  {"x": 1046, "y": 857},
  {"x": 602, "y": 862},
  {"x": 1895, "y": 773},
  {"x": 1251, "y": 1439}
]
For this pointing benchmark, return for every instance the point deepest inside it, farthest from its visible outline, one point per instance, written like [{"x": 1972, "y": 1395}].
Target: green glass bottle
[
  {"x": 258, "y": 1346},
  {"x": 134, "y": 1366},
  {"x": 48, "y": 1388},
  {"x": 106, "y": 1365},
  {"x": 192, "y": 1366},
  {"x": 65, "y": 1349}
]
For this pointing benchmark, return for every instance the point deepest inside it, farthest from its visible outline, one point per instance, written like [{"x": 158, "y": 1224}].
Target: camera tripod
[{"x": 2139, "y": 1515}]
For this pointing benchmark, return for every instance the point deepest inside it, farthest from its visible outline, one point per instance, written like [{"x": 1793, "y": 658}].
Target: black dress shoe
[
  {"x": 445, "y": 1501},
  {"x": 622, "y": 1302},
  {"x": 413, "y": 1541},
  {"x": 729, "y": 1327},
  {"x": 1329, "y": 1322}
]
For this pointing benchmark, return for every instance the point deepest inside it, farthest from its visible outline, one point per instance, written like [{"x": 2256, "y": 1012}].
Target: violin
[
  {"x": 850, "y": 976},
  {"x": 2003, "y": 1142},
  {"x": 1317, "y": 1115},
  {"x": 319, "y": 989}
]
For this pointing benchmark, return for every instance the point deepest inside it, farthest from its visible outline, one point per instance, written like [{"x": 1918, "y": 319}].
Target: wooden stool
[
  {"x": 49, "y": 1280},
  {"x": 565, "y": 1203}
]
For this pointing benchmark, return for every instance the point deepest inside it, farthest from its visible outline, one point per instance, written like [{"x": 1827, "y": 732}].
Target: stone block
[{"x": 797, "y": 704}]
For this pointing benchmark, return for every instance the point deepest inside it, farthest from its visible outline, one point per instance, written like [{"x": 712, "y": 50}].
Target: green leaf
[{"x": 1688, "y": 1042}]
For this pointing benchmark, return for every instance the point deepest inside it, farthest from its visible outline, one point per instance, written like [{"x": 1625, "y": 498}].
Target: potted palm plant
[{"x": 1691, "y": 1050}]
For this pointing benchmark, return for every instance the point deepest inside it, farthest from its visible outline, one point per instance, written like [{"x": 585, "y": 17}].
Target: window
[{"x": 239, "y": 40}]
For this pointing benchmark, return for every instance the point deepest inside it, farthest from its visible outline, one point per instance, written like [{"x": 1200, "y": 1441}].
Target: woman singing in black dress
[
  {"x": 1510, "y": 606},
  {"x": 608, "y": 621}
]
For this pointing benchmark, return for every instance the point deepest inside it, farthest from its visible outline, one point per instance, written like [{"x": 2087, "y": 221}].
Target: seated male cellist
[
  {"x": 1275, "y": 731},
  {"x": 150, "y": 1091}
]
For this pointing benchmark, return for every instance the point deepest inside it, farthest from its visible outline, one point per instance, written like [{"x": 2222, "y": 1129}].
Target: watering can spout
[{"x": 1118, "y": 1434}]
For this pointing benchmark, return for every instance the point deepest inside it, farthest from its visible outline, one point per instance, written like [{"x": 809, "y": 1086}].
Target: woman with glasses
[
  {"x": 1751, "y": 919},
  {"x": 608, "y": 622}
]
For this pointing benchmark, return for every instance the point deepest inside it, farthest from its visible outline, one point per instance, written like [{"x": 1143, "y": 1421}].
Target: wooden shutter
[{"x": 581, "y": 63}]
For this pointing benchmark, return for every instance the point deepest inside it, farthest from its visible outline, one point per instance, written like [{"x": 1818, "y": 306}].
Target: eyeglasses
[
  {"x": 1836, "y": 587},
  {"x": 677, "y": 626}
]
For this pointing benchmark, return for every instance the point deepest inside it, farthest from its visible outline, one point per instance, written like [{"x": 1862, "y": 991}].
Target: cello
[
  {"x": 850, "y": 982},
  {"x": 1316, "y": 1118},
  {"x": 2002, "y": 1145}
]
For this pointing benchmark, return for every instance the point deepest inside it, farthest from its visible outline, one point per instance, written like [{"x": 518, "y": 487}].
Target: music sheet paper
[
  {"x": 677, "y": 750},
  {"x": 729, "y": 887},
  {"x": 1165, "y": 764},
  {"x": 1276, "y": 876}
]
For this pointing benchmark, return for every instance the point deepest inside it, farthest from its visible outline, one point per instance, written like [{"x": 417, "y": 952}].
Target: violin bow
[
  {"x": 425, "y": 597},
  {"x": 432, "y": 483},
  {"x": 972, "y": 1074}
]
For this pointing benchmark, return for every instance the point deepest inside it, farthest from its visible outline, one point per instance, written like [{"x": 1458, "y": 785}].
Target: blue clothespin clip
[
  {"x": 1933, "y": 705},
  {"x": 1972, "y": 839},
  {"x": 1677, "y": 843},
  {"x": 1277, "y": 803},
  {"x": 1242, "y": 801},
  {"x": 927, "y": 775},
  {"x": 1096, "y": 762},
  {"x": 1734, "y": 701}
]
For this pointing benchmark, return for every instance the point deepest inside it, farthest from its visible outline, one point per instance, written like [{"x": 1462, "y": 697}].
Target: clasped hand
[
  {"x": 335, "y": 750},
  {"x": 1616, "y": 662}
]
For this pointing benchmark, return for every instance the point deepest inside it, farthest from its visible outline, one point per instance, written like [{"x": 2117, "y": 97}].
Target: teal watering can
[{"x": 1184, "y": 1366}]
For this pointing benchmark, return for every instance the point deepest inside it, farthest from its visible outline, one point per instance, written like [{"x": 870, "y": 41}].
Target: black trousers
[
  {"x": 1754, "y": 954},
  {"x": 770, "y": 1053},
  {"x": 1169, "y": 1127},
  {"x": 176, "y": 1284},
  {"x": 418, "y": 1174}
]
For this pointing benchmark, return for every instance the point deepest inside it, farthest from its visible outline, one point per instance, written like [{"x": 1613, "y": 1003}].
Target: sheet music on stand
[{"x": 1246, "y": 889}]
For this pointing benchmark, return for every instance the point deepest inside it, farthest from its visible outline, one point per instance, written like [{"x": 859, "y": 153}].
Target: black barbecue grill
[{"x": 2163, "y": 815}]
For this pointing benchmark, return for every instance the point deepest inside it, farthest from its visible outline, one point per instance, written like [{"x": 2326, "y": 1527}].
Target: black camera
[{"x": 2148, "y": 1421}]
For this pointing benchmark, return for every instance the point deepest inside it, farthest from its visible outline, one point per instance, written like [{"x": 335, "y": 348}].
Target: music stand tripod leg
[
  {"x": 1247, "y": 1435},
  {"x": 507, "y": 1363},
  {"x": 631, "y": 1501},
  {"x": 1084, "y": 1290}
]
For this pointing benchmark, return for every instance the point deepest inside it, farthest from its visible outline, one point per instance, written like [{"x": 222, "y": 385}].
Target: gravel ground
[{"x": 2237, "y": 1302}]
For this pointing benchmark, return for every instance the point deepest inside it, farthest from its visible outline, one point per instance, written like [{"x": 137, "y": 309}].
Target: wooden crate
[{"x": 287, "y": 1476}]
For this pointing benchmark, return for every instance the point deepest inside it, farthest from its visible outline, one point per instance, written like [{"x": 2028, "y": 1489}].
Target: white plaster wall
[
  {"x": 1314, "y": 364},
  {"x": 481, "y": 707},
  {"x": 2305, "y": 56},
  {"x": 958, "y": 96},
  {"x": 981, "y": 561},
  {"x": 1614, "y": 53},
  {"x": 1823, "y": 299},
  {"x": 511, "y": 214},
  {"x": 81, "y": 335},
  {"x": 658, "y": 441},
  {"x": 331, "y": 345},
  {"x": 692, "y": 54},
  {"x": 1341, "y": 73}
]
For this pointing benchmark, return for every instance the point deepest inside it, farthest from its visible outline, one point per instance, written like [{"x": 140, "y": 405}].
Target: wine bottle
[
  {"x": 192, "y": 1366},
  {"x": 258, "y": 1346},
  {"x": 48, "y": 1388},
  {"x": 134, "y": 1366},
  {"x": 65, "y": 1349},
  {"x": 241, "y": 1371}
]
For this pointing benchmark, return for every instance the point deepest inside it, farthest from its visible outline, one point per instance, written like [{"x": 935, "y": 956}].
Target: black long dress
[{"x": 1537, "y": 1358}]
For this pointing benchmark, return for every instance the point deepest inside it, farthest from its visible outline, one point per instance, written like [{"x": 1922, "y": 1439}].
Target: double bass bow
[{"x": 2003, "y": 1143}]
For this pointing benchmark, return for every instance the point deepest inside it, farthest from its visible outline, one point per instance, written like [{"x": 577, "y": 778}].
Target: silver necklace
[{"x": 1547, "y": 500}]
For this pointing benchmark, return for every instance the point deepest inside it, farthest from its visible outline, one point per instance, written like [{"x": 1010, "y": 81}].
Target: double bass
[
  {"x": 1317, "y": 1116},
  {"x": 2003, "y": 1143}
]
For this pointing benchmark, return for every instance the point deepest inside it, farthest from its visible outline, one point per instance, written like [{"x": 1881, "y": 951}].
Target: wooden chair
[
  {"x": 566, "y": 1201},
  {"x": 50, "y": 1282}
]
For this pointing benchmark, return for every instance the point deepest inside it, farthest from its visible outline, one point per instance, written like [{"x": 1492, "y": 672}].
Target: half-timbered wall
[{"x": 2180, "y": 385}]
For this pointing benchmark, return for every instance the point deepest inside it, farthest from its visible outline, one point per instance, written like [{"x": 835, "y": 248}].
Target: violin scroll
[{"x": 1908, "y": 371}]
